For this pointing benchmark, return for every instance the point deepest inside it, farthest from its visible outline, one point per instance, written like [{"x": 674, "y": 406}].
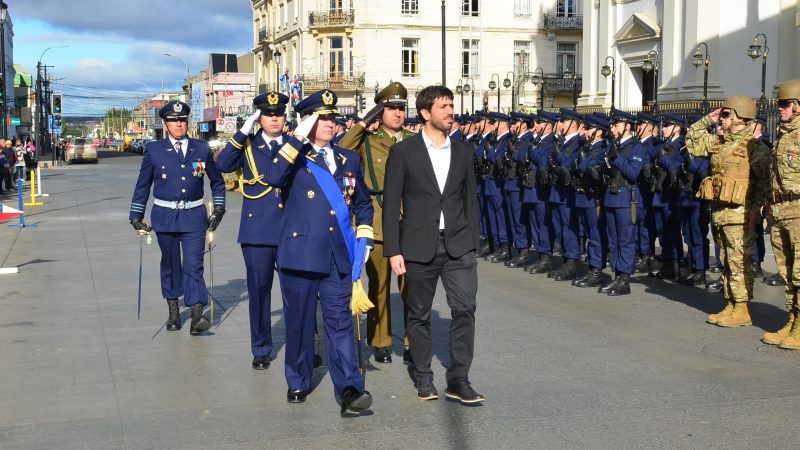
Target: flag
[
  {"x": 8, "y": 213},
  {"x": 285, "y": 83}
]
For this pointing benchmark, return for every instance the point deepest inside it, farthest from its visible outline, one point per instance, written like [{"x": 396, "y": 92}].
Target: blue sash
[{"x": 355, "y": 247}]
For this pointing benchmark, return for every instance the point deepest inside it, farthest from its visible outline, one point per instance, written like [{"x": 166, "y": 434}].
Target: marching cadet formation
[{"x": 593, "y": 187}]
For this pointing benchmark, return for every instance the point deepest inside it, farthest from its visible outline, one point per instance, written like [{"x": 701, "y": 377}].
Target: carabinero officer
[
  {"x": 646, "y": 127},
  {"x": 497, "y": 183},
  {"x": 325, "y": 194},
  {"x": 588, "y": 194},
  {"x": 515, "y": 191},
  {"x": 537, "y": 190},
  {"x": 480, "y": 140},
  {"x": 262, "y": 205},
  {"x": 623, "y": 164},
  {"x": 175, "y": 167}
]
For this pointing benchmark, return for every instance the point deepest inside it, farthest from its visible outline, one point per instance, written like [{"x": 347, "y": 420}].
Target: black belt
[{"x": 781, "y": 197}]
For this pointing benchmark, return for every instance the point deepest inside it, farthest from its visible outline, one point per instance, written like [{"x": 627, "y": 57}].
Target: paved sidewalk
[{"x": 561, "y": 367}]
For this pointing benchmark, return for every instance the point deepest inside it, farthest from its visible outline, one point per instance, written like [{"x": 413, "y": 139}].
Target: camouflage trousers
[
  {"x": 735, "y": 244},
  {"x": 785, "y": 236}
]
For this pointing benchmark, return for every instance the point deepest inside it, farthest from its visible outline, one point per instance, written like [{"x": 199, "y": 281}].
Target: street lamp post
[
  {"x": 653, "y": 63},
  {"x": 3, "y": 72},
  {"x": 607, "y": 70},
  {"x": 697, "y": 60},
  {"x": 493, "y": 86},
  {"x": 188, "y": 87},
  {"x": 569, "y": 74},
  {"x": 508, "y": 83},
  {"x": 277, "y": 56},
  {"x": 754, "y": 52},
  {"x": 41, "y": 111},
  {"x": 444, "y": 50},
  {"x": 460, "y": 91},
  {"x": 538, "y": 78},
  {"x": 469, "y": 87}
]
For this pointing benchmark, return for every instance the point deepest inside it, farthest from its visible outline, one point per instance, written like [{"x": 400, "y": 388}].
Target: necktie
[
  {"x": 324, "y": 156},
  {"x": 273, "y": 144},
  {"x": 179, "y": 148}
]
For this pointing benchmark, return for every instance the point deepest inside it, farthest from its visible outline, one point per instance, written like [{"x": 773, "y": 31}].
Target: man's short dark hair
[{"x": 428, "y": 95}]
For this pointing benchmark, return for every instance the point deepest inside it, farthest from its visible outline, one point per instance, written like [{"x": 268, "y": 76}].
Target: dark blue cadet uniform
[
  {"x": 589, "y": 195},
  {"x": 562, "y": 193}
]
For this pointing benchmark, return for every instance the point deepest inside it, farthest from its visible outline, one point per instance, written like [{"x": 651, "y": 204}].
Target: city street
[{"x": 560, "y": 366}]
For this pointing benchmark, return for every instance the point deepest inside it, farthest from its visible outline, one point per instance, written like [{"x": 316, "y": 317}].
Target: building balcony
[
  {"x": 312, "y": 83},
  {"x": 558, "y": 84},
  {"x": 331, "y": 19},
  {"x": 263, "y": 35},
  {"x": 563, "y": 22}
]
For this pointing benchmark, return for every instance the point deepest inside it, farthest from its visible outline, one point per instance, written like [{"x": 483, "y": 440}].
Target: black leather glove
[
  {"x": 612, "y": 153},
  {"x": 593, "y": 173},
  {"x": 215, "y": 218},
  {"x": 373, "y": 114},
  {"x": 141, "y": 226}
]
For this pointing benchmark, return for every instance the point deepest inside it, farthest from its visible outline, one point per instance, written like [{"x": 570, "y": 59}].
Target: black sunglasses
[
  {"x": 785, "y": 103},
  {"x": 725, "y": 114}
]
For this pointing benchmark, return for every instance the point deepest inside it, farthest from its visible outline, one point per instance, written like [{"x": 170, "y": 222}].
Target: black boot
[
  {"x": 775, "y": 280},
  {"x": 643, "y": 264},
  {"x": 607, "y": 287},
  {"x": 174, "y": 320},
  {"x": 199, "y": 322},
  {"x": 593, "y": 278},
  {"x": 715, "y": 286},
  {"x": 623, "y": 287},
  {"x": 696, "y": 278},
  {"x": 567, "y": 271},
  {"x": 491, "y": 254},
  {"x": 486, "y": 248},
  {"x": 755, "y": 270},
  {"x": 502, "y": 255},
  {"x": 543, "y": 265},
  {"x": 520, "y": 261},
  {"x": 666, "y": 271}
]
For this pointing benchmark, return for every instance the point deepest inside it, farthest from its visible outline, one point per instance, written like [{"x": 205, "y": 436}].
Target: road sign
[
  {"x": 16, "y": 121},
  {"x": 204, "y": 127},
  {"x": 220, "y": 123},
  {"x": 50, "y": 123},
  {"x": 230, "y": 124}
]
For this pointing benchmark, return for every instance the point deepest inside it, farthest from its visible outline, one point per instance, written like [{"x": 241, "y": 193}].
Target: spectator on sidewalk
[
  {"x": 30, "y": 154},
  {"x": 19, "y": 161},
  {"x": 5, "y": 170}
]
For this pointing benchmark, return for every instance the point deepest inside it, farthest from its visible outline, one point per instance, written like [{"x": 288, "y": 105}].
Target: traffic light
[
  {"x": 362, "y": 103},
  {"x": 57, "y": 120},
  {"x": 56, "y": 104}
]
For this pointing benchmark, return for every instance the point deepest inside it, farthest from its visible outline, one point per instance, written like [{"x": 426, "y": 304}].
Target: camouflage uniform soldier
[
  {"x": 786, "y": 210},
  {"x": 737, "y": 189}
]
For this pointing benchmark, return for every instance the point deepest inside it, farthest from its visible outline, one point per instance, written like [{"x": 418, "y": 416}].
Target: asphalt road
[{"x": 561, "y": 367}]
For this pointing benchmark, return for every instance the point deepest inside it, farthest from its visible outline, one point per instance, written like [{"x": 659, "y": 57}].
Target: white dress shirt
[
  {"x": 440, "y": 159},
  {"x": 329, "y": 159},
  {"x": 268, "y": 139},
  {"x": 184, "y": 144}
]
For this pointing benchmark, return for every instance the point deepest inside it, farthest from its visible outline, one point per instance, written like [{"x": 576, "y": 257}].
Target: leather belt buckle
[{"x": 181, "y": 205}]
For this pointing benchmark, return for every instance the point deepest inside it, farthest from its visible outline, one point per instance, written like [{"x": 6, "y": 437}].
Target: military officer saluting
[
  {"x": 390, "y": 110},
  {"x": 261, "y": 212},
  {"x": 176, "y": 167},
  {"x": 316, "y": 252}
]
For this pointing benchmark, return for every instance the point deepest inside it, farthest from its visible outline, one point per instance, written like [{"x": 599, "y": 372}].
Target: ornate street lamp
[
  {"x": 570, "y": 74},
  {"x": 460, "y": 91},
  {"x": 755, "y": 52},
  {"x": 607, "y": 70},
  {"x": 508, "y": 83},
  {"x": 277, "y": 56},
  {"x": 653, "y": 63},
  {"x": 493, "y": 86},
  {"x": 700, "y": 60},
  {"x": 467, "y": 88},
  {"x": 538, "y": 78}
]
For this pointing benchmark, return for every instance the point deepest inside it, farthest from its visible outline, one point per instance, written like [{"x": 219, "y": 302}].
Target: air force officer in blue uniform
[
  {"x": 314, "y": 260},
  {"x": 175, "y": 167},
  {"x": 261, "y": 212}
]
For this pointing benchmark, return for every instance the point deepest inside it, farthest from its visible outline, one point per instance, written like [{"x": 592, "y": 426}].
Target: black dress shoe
[
  {"x": 607, "y": 287},
  {"x": 425, "y": 389},
  {"x": 382, "y": 354},
  {"x": 261, "y": 362},
  {"x": 296, "y": 396},
  {"x": 715, "y": 286},
  {"x": 200, "y": 323},
  {"x": 464, "y": 393},
  {"x": 715, "y": 269},
  {"x": 174, "y": 320},
  {"x": 623, "y": 287},
  {"x": 665, "y": 272},
  {"x": 755, "y": 270},
  {"x": 543, "y": 265},
  {"x": 567, "y": 271},
  {"x": 643, "y": 264},
  {"x": 696, "y": 278},
  {"x": 502, "y": 255},
  {"x": 521, "y": 260},
  {"x": 775, "y": 280},
  {"x": 593, "y": 278},
  {"x": 354, "y": 401}
]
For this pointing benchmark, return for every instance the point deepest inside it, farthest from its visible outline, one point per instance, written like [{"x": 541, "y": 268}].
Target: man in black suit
[{"x": 436, "y": 236}]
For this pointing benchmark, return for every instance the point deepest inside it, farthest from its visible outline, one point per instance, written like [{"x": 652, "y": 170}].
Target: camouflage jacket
[{"x": 786, "y": 169}]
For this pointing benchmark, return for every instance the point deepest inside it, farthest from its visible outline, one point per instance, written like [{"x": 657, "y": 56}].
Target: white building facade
[
  {"x": 361, "y": 46},
  {"x": 668, "y": 32}
]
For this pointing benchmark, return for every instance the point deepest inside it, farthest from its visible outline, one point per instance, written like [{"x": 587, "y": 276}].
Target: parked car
[
  {"x": 81, "y": 149},
  {"x": 135, "y": 146}
]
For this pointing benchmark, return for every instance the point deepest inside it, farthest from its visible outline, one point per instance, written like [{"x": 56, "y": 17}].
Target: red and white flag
[{"x": 8, "y": 213}]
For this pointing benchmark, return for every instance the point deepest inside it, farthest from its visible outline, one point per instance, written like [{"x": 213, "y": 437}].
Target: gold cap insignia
[
  {"x": 272, "y": 99},
  {"x": 327, "y": 98}
]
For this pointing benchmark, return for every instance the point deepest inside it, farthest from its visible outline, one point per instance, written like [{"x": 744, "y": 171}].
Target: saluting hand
[
  {"x": 398, "y": 264},
  {"x": 250, "y": 122},
  {"x": 715, "y": 114},
  {"x": 305, "y": 126}
]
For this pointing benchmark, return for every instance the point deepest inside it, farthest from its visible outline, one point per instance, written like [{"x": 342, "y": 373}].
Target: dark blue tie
[{"x": 274, "y": 145}]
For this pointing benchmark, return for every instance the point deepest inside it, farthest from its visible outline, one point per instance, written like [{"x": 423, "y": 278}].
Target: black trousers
[{"x": 460, "y": 279}]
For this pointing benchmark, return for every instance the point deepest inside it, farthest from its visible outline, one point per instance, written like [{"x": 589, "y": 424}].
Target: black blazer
[{"x": 410, "y": 182}]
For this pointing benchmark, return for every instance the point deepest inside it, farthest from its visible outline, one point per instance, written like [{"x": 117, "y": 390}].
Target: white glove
[
  {"x": 304, "y": 127},
  {"x": 366, "y": 253},
  {"x": 248, "y": 124}
]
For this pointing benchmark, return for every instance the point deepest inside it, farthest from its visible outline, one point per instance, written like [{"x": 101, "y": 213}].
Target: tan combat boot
[
  {"x": 778, "y": 336},
  {"x": 792, "y": 341},
  {"x": 713, "y": 318},
  {"x": 739, "y": 317}
]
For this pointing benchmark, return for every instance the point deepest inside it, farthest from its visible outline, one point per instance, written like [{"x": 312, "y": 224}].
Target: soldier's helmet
[
  {"x": 744, "y": 106},
  {"x": 790, "y": 90}
]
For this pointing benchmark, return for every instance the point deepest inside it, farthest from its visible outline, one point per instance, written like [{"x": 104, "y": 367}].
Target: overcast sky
[{"x": 113, "y": 44}]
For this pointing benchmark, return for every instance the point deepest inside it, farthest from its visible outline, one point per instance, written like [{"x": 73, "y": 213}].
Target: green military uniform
[
  {"x": 374, "y": 151},
  {"x": 738, "y": 186},
  {"x": 785, "y": 211}
]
